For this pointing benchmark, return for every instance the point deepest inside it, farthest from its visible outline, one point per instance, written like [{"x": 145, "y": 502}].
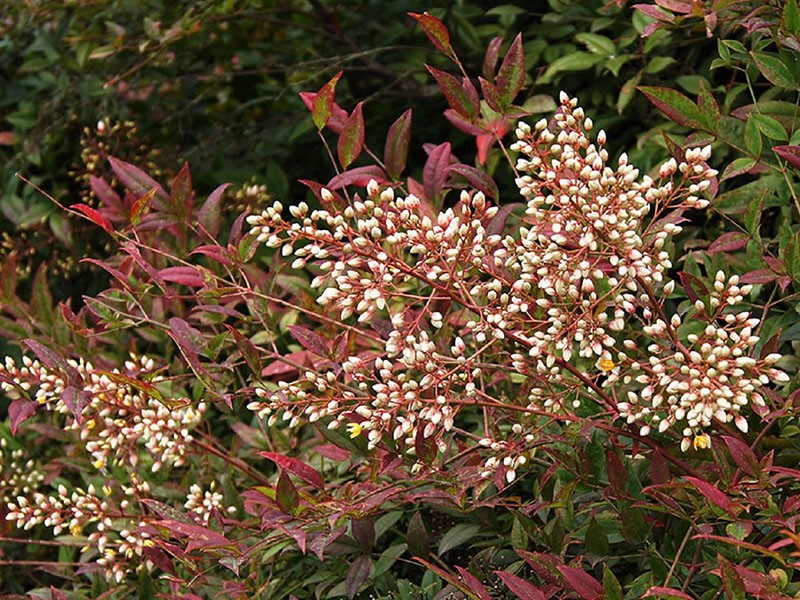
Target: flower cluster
[
  {"x": 17, "y": 475},
  {"x": 117, "y": 417},
  {"x": 203, "y": 503},
  {"x": 577, "y": 297}
]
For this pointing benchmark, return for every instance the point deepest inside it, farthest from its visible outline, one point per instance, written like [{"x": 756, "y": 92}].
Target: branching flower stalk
[{"x": 581, "y": 296}]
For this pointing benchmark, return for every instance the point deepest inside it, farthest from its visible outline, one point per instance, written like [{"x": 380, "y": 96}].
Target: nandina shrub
[{"x": 403, "y": 388}]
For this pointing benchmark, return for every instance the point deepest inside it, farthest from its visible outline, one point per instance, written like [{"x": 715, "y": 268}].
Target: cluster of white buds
[
  {"x": 18, "y": 475},
  {"x": 118, "y": 418},
  {"x": 203, "y": 503}
]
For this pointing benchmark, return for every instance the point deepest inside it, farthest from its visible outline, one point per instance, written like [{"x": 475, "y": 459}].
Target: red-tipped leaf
[
  {"x": 351, "y": 139},
  {"x": 395, "y": 151},
  {"x": 435, "y": 30}
]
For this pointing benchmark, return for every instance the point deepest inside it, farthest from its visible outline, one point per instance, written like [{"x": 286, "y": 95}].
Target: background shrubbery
[{"x": 597, "y": 509}]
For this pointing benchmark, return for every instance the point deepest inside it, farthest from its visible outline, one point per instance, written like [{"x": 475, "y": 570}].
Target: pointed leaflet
[
  {"x": 773, "y": 68},
  {"x": 708, "y": 106},
  {"x": 676, "y": 106},
  {"x": 20, "y": 410},
  {"x": 322, "y": 103},
  {"x": 435, "y": 30},
  {"x": 182, "y": 194},
  {"x": 359, "y": 176},
  {"x": 791, "y": 154},
  {"x": 476, "y": 178},
  {"x": 712, "y": 494},
  {"x": 92, "y": 215},
  {"x": 395, "y": 151},
  {"x": 310, "y": 340},
  {"x": 491, "y": 57},
  {"x": 584, "y": 584},
  {"x": 142, "y": 206},
  {"x": 491, "y": 95},
  {"x": 210, "y": 214},
  {"x": 665, "y": 593},
  {"x": 296, "y": 467},
  {"x": 286, "y": 494},
  {"x": 474, "y": 584},
  {"x": 247, "y": 349},
  {"x": 351, "y": 139},
  {"x": 728, "y": 242},
  {"x": 135, "y": 180},
  {"x": 743, "y": 455},
  {"x": 434, "y": 174},
  {"x": 463, "y": 98},
  {"x": 523, "y": 589},
  {"x": 511, "y": 76},
  {"x": 357, "y": 574}
]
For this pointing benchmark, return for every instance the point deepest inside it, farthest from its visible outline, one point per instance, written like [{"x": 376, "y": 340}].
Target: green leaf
[
  {"x": 659, "y": 63},
  {"x": 734, "y": 586},
  {"x": 457, "y": 96},
  {"x": 576, "y": 61},
  {"x": 737, "y": 167},
  {"x": 458, "y": 535},
  {"x": 676, "y": 106},
  {"x": 790, "y": 21},
  {"x": 627, "y": 92},
  {"x": 770, "y": 127},
  {"x": 773, "y": 68},
  {"x": 597, "y": 44},
  {"x": 752, "y": 137},
  {"x": 322, "y": 102},
  {"x": 511, "y": 76},
  {"x": 596, "y": 538},
  {"x": 708, "y": 106},
  {"x": 417, "y": 538},
  {"x": 611, "y": 586},
  {"x": 435, "y": 30}
]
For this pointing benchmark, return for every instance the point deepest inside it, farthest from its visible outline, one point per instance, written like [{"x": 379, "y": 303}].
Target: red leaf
[
  {"x": 435, "y": 30},
  {"x": 7, "y": 138},
  {"x": 93, "y": 215},
  {"x": 584, "y": 584},
  {"x": 463, "y": 98},
  {"x": 474, "y": 584},
  {"x": 134, "y": 253},
  {"x": 322, "y": 102},
  {"x": 689, "y": 282},
  {"x": 286, "y": 494},
  {"x": 395, "y": 151},
  {"x": 677, "y": 5},
  {"x": 523, "y": 589},
  {"x": 712, "y": 493},
  {"x": 434, "y": 174},
  {"x": 338, "y": 115},
  {"x": 188, "y": 276},
  {"x": 76, "y": 401},
  {"x": 52, "y": 360},
  {"x": 360, "y": 176},
  {"x": 492, "y": 95},
  {"x": 136, "y": 181},
  {"x": 351, "y": 140},
  {"x": 357, "y": 574},
  {"x": 279, "y": 367},
  {"x": 117, "y": 274},
  {"x": 310, "y": 340},
  {"x": 317, "y": 188},
  {"x": 199, "y": 537},
  {"x": 182, "y": 194},
  {"x": 743, "y": 455},
  {"x": 296, "y": 467},
  {"x": 210, "y": 214},
  {"x": 332, "y": 452},
  {"x": 667, "y": 593},
  {"x": 655, "y": 12},
  {"x": 659, "y": 469},
  {"x": 728, "y": 242},
  {"x": 19, "y": 411},
  {"x": 463, "y": 125},
  {"x": 476, "y": 178},
  {"x": 107, "y": 196},
  {"x": 511, "y": 76},
  {"x": 791, "y": 154},
  {"x": 491, "y": 57},
  {"x": 247, "y": 348},
  {"x": 617, "y": 474},
  {"x": 758, "y": 276},
  {"x": 142, "y": 206}
]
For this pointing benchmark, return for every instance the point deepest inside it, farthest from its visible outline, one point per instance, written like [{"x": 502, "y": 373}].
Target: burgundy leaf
[
  {"x": 395, "y": 151},
  {"x": 357, "y": 574},
  {"x": 296, "y": 467},
  {"x": 476, "y": 178},
  {"x": 728, "y": 242},
  {"x": 182, "y": 194},
  {"x": 351, "y": 139},
  {"x": 137, "y": 181},
  {"x": 693, "y": 286},
  {"x": 247, "y": 349},
  {"x": 310, "y": 340},
  {"x": 511, "y": 76},
  {"x": 188, "y": 276},
  {"x": 286, "y": 494},
  {"x": 435, "y": 30},
  {"x": 199, "y": 537},
  {"x": 19, "y": 411},
  {"x": 655, "y": 12},
  {"x": 584, "y": 584},
  {"x": 134, "y": 253},
  {"x": 332, "y": 452},
  {"x": 461, "y": 124},
  {"x": 360, "y": 176},
  {"x": 107, "y": 196},
  {"x": 210, "y": 214},
  {"x": 474, "y": 584},
  {"x": 434, "y": 174},
  {"x": 758, "y": 276},
  {"x": 491, "y": 57},
  {"x": 712, "y": 493},
  {"x": 76, "y": 400},
  {"x": 617, "y": 474},
  {"x": 498, "y": 222},
  {"x": 492, "y": 95},
  {"x": 523, "y": 589},
  {"x": 659, "y": 468},
  {"x": 791, "y": 154},
  {"x": 317, "y": 188},
  {"x": 666, "y": 593},
  {"x": 743, "y": 455}
]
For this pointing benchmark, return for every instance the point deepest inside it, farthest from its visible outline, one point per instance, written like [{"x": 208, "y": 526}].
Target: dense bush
[{"x": 422, "y": 380}]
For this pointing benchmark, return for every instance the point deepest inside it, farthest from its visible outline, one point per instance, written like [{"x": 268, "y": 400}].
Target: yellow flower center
[
  {"x": 702, "y": 442},
  {"x": 354, "y": 429},
  {"x": 606, "y": 365}
]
